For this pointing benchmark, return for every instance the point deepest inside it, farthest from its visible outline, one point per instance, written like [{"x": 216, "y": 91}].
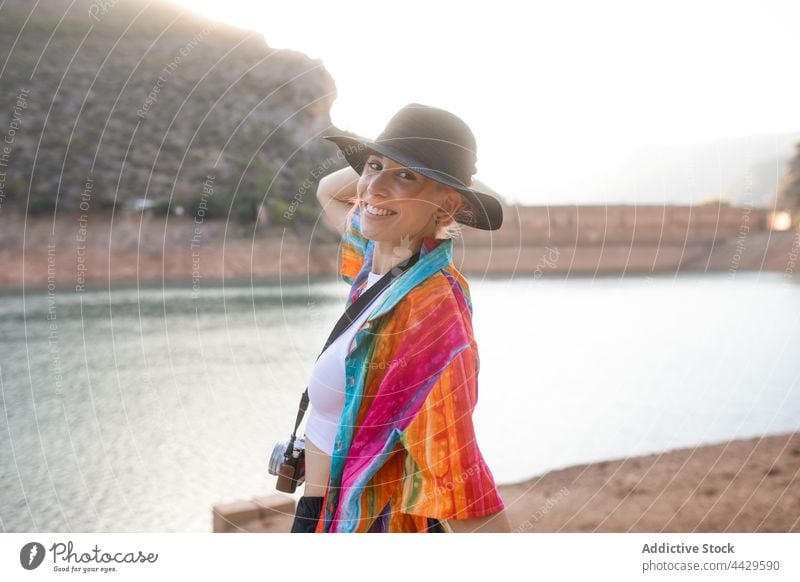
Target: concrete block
[
  {"x": 230, "y": 515},
  {"x": 253, "y": 514}
]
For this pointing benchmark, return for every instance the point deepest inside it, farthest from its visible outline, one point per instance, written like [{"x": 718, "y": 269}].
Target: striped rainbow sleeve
[
  {"x": 354, "y": 246},
  {"x": 445, "y": 475}
]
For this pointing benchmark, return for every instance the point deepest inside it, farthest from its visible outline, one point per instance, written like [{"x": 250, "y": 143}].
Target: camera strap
[{"x": 348, "y": 317}]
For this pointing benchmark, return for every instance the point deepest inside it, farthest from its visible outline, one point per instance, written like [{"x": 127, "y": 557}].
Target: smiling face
[{"x": 399, "y": 204}]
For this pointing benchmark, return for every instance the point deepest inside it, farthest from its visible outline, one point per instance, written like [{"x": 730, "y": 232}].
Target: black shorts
[
  {"x": 309, "y": 509},
  {"x": 307, "y": 514}
]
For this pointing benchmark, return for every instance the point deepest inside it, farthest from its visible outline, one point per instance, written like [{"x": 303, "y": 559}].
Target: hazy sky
[{"x": 560, "y": 90}]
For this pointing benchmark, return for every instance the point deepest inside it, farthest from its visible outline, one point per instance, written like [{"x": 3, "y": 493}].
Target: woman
[{"x": 390, "y": 444}]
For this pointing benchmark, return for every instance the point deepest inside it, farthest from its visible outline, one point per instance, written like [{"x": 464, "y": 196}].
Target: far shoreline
[{"x": 537, "y": 242}]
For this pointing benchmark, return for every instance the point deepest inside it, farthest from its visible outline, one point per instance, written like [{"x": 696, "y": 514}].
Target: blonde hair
[{"x": 454, "y": 229}]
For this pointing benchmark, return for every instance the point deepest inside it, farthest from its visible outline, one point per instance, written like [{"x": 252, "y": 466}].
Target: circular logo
[{"x": 31, "y": 555}]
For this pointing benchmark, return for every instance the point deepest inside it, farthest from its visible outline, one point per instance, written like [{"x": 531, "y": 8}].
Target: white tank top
[{"x": 326, "y": 387}]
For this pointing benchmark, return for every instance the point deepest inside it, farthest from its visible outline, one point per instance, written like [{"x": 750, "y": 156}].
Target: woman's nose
[{"x": 378, "y": 183}]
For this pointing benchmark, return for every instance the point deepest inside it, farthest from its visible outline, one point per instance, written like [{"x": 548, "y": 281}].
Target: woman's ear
[{"x": 450, "y": 205}]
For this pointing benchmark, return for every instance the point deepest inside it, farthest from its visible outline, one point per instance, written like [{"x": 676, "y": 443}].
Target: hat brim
[{"x": 487, "y": 211}]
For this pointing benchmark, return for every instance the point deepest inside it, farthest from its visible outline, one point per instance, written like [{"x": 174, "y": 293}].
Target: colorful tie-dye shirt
[{"x": 405, "y": 448}]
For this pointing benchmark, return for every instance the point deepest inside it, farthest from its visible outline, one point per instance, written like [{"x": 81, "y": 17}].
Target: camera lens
[
  {"x": 278, "y": 452},
  {"x": 276, "y": 458}
]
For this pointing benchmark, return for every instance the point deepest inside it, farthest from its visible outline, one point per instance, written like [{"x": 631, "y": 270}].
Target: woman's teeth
[{"x": 378, "y": 211}]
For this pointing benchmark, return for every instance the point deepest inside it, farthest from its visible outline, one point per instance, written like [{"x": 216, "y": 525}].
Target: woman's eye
[{"x": 377, "y": 167}]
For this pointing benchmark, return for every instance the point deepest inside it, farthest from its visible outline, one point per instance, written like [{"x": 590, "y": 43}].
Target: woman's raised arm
[{"x": 336, "y": 193}]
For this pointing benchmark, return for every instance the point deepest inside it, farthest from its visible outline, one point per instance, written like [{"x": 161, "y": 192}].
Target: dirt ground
[
  {"x": 746, "y": 486},
  {"x": 739, "y": 486}
]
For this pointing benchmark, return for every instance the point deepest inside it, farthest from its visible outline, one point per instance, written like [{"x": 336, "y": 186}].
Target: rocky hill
[{"x": 108, "y": 102}]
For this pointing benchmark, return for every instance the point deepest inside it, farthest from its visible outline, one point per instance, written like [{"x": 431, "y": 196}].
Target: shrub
[
  {"x": 41, "y": 205},
  {"x": 161, "y": 208},
  {"x": 216, "y": 206}
]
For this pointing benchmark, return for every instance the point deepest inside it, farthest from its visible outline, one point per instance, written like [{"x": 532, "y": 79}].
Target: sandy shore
[{"x": 740, "y": 486}]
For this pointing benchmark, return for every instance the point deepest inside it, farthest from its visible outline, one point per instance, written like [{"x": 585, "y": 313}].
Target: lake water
[{"x": 136, "y": 410}]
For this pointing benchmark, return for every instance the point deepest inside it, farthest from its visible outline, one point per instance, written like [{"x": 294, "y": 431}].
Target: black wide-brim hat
[{"x": 437, "y": 144}]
